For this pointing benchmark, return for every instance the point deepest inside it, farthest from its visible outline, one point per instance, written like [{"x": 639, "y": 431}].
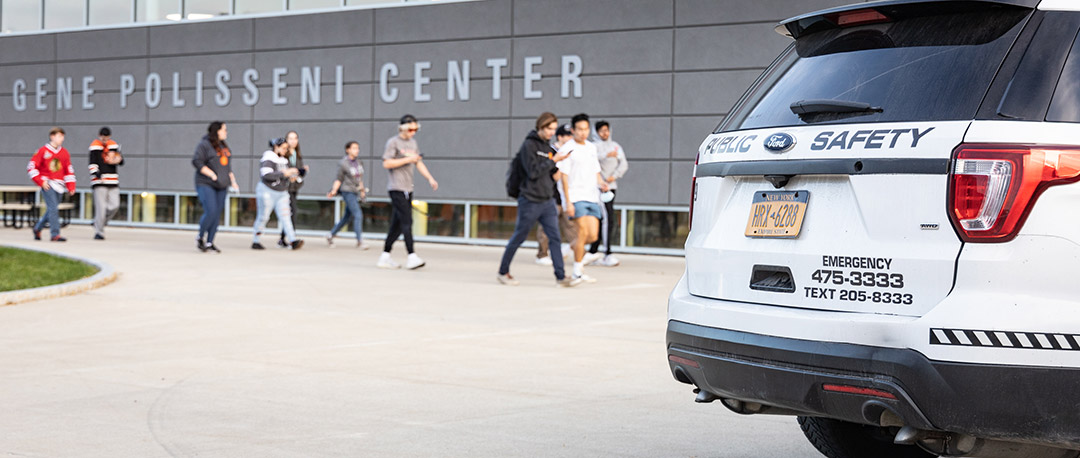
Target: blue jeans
[
  {"x": 528, "y": 213},
  {"x": 352, "y": 208},
  {"x": 268, "y": 200},
  {"x": 52, "y": 213},
  {"x": 213, "y": 203}
]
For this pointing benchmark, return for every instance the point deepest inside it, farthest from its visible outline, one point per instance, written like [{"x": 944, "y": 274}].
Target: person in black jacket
[
  {"x": 213, "y": 179},
  {"x": 296, "y": 160},
  {"x": 536, "y": 200}
]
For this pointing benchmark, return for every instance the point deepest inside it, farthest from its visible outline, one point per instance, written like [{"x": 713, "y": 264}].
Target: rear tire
[{"x": 841, "y": 439}]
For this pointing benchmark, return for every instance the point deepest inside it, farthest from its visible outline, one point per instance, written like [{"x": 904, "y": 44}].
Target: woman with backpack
[{"x": 532, "y": 180}]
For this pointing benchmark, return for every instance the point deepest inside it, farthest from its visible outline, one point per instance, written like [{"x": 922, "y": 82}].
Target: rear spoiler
[{"x": 886, "y": 11}]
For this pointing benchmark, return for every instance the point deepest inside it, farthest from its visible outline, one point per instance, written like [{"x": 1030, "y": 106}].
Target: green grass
[{"x": 22, "y": 269}]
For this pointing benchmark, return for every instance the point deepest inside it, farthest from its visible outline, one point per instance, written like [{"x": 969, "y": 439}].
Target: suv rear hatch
[{"x": 826, "y": 187}]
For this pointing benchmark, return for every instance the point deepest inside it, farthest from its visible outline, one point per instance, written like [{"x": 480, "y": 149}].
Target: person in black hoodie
[
  {"x": 213, "y": 179},
  {"x": 536, "y": 200},
  {"x": 296, "y": 160}
]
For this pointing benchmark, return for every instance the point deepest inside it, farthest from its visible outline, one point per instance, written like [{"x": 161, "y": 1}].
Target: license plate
[{"x": 777, "y": 214}]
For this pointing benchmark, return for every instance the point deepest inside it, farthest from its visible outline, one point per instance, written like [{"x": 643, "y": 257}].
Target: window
[
  {"x": 444, "y": 220},
  {"x": 314, "y": 214},
  {"x": 926, "y": 68},
  {"x": 148, "y": 207},
  {"x": 20, "y": 16},
  {"x": 205, "y": 9},
  {"x": 157, "y": 10},
  {"x": 1065, "y": 106},
  {"x": 62, "y": 14},
  {"x": 657, "y": 229},
  {"x": 494, "y": 222},
  {"x": 312, "y": 4},
  {"x": 257, "y": 6},
  {"x": 105, "y": 12}
]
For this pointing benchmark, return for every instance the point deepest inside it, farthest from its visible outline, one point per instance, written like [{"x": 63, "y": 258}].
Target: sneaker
[
  {"x": 99, "y": 237},
  {"x": 585, "y": 278},
  {"x": 296, "y": 244},
  {"x": 201, "y": 245},
  {"x": 568, "y": 282},
  {"x": 544, "y": 261},
  {"x": 386, "y": 262},
  {"x": 362, "y": 246},
  {"x": 414, "y": 262},
  {"x": 330, "y": 240},
  {"x": 607, "y": 261},
  {"x": 213, "y": 248},
  {"x": 590, "y": 258},
  {"x": 255, "y": 246},
  {"x": 507, "y": 279},
  {"x": 58, "y": 239},
  {"x": 37, "y": 234},
  {"x": 281, "y": 243}
]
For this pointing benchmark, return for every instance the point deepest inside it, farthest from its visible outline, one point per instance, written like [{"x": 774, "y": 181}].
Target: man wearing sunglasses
[{"x": 400, "y": 158}]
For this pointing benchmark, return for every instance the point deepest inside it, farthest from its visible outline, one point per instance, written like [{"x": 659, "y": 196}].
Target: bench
[
  {"x": 18, "y": 204},
  {"x": 16, "y": 214}
]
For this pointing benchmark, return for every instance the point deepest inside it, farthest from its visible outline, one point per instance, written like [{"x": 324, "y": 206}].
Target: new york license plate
[{"x": 777, "y": 214}]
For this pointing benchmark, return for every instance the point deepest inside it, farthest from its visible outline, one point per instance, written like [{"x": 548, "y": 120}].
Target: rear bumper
[{"x": 1029, "y": 404}]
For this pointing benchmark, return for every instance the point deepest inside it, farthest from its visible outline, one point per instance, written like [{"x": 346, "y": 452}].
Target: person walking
[
  {"x": 400, "y": 158},
  {"x": 567, "y": 228},
  {"x": 272, "y": 195},
  {"x": 104, "y": 181},
  {"x": 613, "y": 166},
  {"x": 582, "y": 190},
  {"x": 213, "y": 180},
  {"x": 50, "y": 168},
  {"x": 296, "y": 160},
  {"x": 536, "y": 200},
  {"x": 350, "y": 185}
]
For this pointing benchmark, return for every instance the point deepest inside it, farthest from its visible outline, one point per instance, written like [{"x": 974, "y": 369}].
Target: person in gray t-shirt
[{"x": 400, "y": 158}]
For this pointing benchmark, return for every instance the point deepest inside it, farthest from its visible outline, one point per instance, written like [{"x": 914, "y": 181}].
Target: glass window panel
[
  {"x": 446, "y": 220},
  {"x": 204, "y": 9},
  {"x": 157, "y": 10},
  {"x": 369, "y": 2},
  {"x": 376, "y": 216},
  {"x": 148, "y": 207},
  {"x": 311, "y": 4},
  {"x": 191, "y": 210},
  {"x": 494, "y": 222},
  {"x": 315, "y": 214},
  {"x": 657, "y": 229},
  {"x": 19, "y": 16},
  {"x": 122, "y": 212},
  {"x": 242, "y": 214},
  {"x": 104, "y": 12},
  {"x": 60, "y": 14},
  {"x": 257, "y": 6}
]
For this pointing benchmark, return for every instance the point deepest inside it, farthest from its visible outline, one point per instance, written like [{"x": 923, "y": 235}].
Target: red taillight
[
  {"x": 860, "y": 390},
  {"x": 693, "y": 193},
  {"x": 857, "y": 17},
  {"x": 992, "y": 188}
]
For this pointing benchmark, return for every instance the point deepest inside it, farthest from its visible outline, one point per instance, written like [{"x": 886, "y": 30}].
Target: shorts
[{"x": 586, "y": 208}]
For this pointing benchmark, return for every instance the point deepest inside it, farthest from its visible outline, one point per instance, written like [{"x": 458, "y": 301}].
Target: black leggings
[{"x": 400, "y": 220}]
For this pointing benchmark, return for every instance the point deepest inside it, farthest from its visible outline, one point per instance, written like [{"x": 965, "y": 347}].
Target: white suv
[{"x": 884, "y": 232}]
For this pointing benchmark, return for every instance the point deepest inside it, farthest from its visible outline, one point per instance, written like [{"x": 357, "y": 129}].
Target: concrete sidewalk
[{"x": 318, "y": 353}]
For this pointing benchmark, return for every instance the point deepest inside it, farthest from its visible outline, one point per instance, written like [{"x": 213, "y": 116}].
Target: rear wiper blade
[{"x": 816, "y": 106}]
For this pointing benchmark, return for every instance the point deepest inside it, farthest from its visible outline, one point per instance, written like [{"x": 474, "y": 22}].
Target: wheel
[{"x": 841, "y": 439}]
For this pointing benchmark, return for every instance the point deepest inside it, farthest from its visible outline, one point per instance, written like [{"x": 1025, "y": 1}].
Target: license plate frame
[{"x": 777, "y": 214}]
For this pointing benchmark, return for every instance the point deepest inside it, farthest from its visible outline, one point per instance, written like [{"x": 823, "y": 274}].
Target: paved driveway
[{"x": 318, "y": 353}]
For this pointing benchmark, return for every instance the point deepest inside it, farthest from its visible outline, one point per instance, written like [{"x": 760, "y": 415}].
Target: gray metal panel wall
[{"x": 664, "y": 72}]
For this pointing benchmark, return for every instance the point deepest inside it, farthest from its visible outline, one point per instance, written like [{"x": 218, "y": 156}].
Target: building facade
[{"x": 476, "y": 73}]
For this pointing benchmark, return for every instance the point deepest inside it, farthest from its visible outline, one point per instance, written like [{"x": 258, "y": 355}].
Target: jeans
[
  {"x": 268, "y": 200},
  {"x": 213, "y": 203},
  {"x": 106, "y": 204},
  {"x": 400, "y": 220},
  {"x": 52, "y": 213},
  {"x": 607, "y": 227},
  {"x": 528, "y": 213},
  {"x": 352, "y": 208}
]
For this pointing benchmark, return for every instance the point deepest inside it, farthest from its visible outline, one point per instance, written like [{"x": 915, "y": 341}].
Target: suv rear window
[{"x": 928, "y": 68}]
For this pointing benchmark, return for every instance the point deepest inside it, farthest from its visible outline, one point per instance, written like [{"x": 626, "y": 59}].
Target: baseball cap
[
  {"x": 274, "y": 142},
  {"x": 563, "y": 131}
]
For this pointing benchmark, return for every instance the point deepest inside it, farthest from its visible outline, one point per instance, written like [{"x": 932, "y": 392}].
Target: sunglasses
[{"x": 413, "y": 129}]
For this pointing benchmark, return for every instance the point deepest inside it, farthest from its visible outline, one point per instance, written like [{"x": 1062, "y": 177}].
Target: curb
[{"x": 105, "y": 275}]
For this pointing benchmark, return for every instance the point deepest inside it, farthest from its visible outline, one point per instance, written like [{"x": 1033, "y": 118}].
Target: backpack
[{"x": 515, "y": 176}]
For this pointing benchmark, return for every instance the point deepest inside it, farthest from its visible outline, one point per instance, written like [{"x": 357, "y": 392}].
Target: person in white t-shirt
[{"x": 582, "y": 189}]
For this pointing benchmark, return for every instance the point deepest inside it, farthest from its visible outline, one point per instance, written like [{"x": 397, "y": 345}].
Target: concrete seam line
[{"x": 105, "y": 275}]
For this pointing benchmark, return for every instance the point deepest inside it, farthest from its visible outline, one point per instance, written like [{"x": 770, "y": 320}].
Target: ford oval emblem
[{"x": 779, "y": 142}]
